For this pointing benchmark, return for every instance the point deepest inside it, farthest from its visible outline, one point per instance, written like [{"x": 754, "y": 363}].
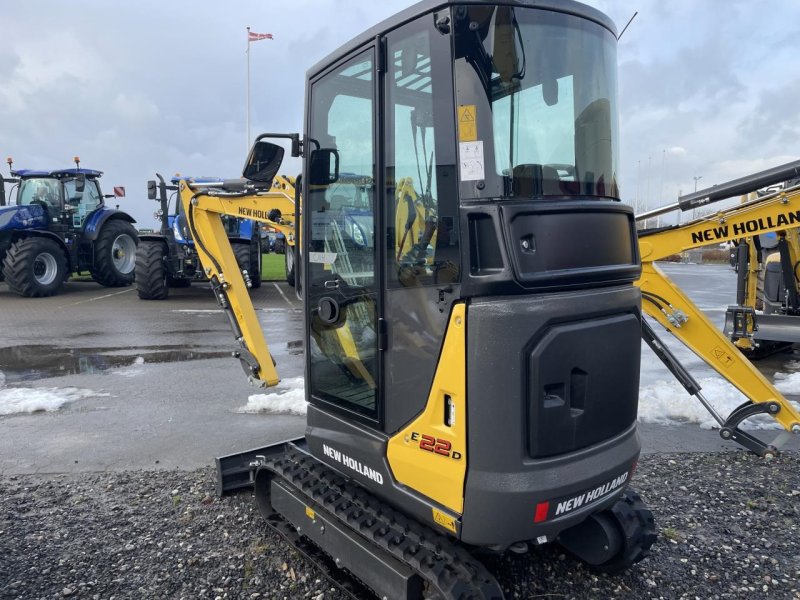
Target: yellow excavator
[
  {"x": 472, "y": 380},
  {"x": 774, "y": 217}
]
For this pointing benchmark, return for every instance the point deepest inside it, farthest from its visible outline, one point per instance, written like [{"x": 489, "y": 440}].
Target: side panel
[
  {"x": 528, "y": 439},
  {"x": 430, "y": 454}
]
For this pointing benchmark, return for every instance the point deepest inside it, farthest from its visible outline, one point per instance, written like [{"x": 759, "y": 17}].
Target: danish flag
[{"x": 254, "y": 37}]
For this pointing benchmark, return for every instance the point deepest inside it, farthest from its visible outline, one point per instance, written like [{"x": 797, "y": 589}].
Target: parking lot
[{"x": 152, "y": 384}]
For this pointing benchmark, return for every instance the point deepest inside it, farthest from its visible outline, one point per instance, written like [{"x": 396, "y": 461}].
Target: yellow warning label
[
  {"x": 444, "y": 520},
  {"x": 723, "y": 357},
  {"x": 310, "y": 513},
  {"x": 467, "y": 125}
]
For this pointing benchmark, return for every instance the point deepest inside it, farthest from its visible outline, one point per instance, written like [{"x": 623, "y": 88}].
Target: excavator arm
[
  {"x": 204, "y": 208},
  {"x": 663, "y": 300}
]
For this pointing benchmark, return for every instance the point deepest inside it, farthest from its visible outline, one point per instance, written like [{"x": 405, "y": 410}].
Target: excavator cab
[
  {"x": 472, "y": 352},
  {"x": 486, "y": 135}
]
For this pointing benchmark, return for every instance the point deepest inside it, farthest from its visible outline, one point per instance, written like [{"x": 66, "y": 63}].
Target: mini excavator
[{"x": 472, "y": 380}]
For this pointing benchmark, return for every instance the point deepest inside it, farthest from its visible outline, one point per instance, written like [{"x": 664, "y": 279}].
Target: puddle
[{"x": 31, "y": 363}]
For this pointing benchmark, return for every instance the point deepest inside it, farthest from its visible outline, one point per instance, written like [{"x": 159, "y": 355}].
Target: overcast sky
[{"x": 707, "y": 88}]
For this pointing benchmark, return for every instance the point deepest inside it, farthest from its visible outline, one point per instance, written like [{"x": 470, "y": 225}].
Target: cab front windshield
[
  {"x": 40, "y": 190},
  {"x": 542, "y": 87}
]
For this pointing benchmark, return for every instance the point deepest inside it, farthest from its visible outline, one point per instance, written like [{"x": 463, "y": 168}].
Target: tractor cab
[{"x": 68, "y": 196}]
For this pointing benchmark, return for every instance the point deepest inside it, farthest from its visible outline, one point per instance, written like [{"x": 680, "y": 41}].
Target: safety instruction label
[
  {"x": 467, "y": 125},
  {"x": 470, "y": 157},
  {"x": 326, "y": 258}
]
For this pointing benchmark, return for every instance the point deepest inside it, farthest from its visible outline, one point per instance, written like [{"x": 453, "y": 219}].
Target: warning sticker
[
  {"x": 723, "y": 357},
  {"x": 444, "y": 520},
  {"x": 467, "y": 126}
]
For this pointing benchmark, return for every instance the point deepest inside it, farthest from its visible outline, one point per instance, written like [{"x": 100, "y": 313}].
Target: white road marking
[
  {"x": 98, "y": 298},
  {"x": 280, "y": 291}
]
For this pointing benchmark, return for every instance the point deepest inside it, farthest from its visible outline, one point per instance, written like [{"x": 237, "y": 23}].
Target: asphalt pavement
[{"x": 165, "y": 391}]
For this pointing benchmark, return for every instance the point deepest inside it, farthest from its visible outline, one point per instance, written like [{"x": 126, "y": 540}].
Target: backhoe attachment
[
  {"x": 663, "y": 300},
  {"x": 204, "y": 208}
]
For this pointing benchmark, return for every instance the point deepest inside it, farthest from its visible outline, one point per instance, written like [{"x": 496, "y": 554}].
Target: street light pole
[
  {"x": 696, "y": 179},
  {"x": 247, "y": 125}
]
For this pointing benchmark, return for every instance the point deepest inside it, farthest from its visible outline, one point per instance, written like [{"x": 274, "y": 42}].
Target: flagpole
[{"x": 248, "y": 90}]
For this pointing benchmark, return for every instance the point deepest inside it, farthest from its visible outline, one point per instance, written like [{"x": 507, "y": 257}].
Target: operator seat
[{"x": 530, "y": 180}]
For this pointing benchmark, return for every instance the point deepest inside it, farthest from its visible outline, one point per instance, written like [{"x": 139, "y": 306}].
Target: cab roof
[
  {"x": 27, "y": 173},
  {"x": 570, "y": 7},
  {"x": 198, "y": 180}
]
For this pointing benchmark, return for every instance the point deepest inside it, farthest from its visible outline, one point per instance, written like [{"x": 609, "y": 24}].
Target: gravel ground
[{"x": 729, "y": 528}]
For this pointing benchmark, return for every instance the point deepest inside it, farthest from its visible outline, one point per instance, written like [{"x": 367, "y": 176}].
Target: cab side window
[
  {"x": 82, "y": 204},
  {"x": 422, "y": 207}
]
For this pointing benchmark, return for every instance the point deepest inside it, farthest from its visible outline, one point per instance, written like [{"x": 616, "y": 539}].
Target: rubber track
[{"x": 448, "y": 568}]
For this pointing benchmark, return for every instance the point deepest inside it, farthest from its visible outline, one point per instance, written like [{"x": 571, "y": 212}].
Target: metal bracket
[
  {"x": 736, "y": 320},
  {"x": 731, "y": 431}
]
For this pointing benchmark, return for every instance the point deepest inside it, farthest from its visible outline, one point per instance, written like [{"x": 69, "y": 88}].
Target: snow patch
[
  {"x": 131, "y": 371},
  {"x": 289, "y": 398},
  {"x": 30, "y": 400},
  {"x": 667, "y": 403},
  {"x": 788, "y": 383}
]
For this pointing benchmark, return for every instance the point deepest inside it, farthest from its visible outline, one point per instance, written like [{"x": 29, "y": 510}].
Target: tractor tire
[
  {"x": 289, "y": 258},
  {"x": 255, "y": 264},
  {"x": 638, "y": 529},
  {"x": 115, "y": 254},
  {"x": 242, "y": 253},
  {"x": 35, "y": 267},
  {"x": 151, "y": 271}
]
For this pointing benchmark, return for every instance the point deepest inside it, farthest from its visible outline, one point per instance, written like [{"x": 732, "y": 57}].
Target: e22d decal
[{"x": 439, "y": 446}]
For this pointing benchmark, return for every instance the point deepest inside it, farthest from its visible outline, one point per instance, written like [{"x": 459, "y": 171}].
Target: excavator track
[{"x": 446, "y": 569}]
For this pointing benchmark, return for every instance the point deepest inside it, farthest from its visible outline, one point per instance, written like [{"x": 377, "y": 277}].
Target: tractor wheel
[
  {"x": 35, "y": 267},
  {"x": 255, "y": 264},
  {"x": 115, "y": 254},
  {"x": 151, "y": 271},
  {"x": 289, "y": 257}
]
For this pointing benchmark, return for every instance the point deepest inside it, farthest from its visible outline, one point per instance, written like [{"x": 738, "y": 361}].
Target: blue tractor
[
  {"x": 168, "y": 258},
  {"x": 55, "y": 223}
]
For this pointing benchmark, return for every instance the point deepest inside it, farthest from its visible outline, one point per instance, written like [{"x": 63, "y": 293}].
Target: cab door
[{"x": 342, "y": 279}]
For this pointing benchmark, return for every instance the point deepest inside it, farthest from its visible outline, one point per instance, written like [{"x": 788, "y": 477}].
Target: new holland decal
[
  {"x": 352, "y": 464},
  {"x": 746, "y": 228}
]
